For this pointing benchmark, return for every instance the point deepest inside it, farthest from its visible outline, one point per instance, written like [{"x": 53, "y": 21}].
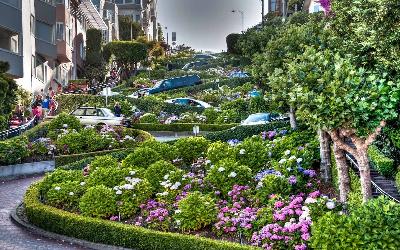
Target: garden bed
[{"x": 182, "y": 127}]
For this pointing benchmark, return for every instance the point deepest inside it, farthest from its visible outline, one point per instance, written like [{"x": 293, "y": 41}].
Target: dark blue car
[{"x": 175, "y": 83}]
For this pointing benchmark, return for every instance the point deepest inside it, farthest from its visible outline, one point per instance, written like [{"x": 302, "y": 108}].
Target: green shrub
[
  {"x": 99, "y": 202},
  {"x": 130, "y": 194},
  {"x": 242, "y": 132},
  {"x": 104, "y": 161},
  {"x": 141, "y": 157},
  {"x": 156, "y": 172},
  {"x": 109, "y": 177},
  {"x": 64, "y": 119},
  {"x": 398, "y": 180},
  {"x": 272, "y": 184},
  {"x": 211, "y": 115},
  {"x": 182, "y": 127},
  {"x": 227, "y": 173},
  {"x": 66, "y": 195},
  {"x": 78, "y": 165},
  {"x": 13, "y": 150},
  {"x": 167, "y": 151},
  {"x": 253, "y": 152},
  {"x": 59, "y": 176},
  {"x": 219, "y": 151},
  {"x": 111, "y": 233},
  {"x": 373, "y": 225},
  {"x": 380, "y": 162},
  {"x": 149, "y": 118},
  {"x": 191, "y": 148},
  {"x": 196, "y": 212}
]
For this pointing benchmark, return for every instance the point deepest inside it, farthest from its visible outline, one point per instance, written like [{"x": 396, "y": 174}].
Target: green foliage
[
  {"x": 149, "y": 118},
  {"x": 211, "y": 115},
  {"x": 14, "y": 150},
  {"x": 232, "y": 43},
  {"x": 227, "y": 173},
  {"x": 108, "y": 177},
  {"x": 142, "y": 157},
  {"x": 272, "y": 184},
  {"x": 59, "y": 176},
  {"x": 167, "y": 152},
  {"x": 66, "y": 195},
  {"x": 156, "y": 172},
  {"x": 111, "y": 233},
  {"x": 8, "y": 90},
  {"x": 191, "y": 148},
  {"x": 182, "y": 127},
  {"x": 98, "y": 202},
  {"x": 219, "y": 151},
  {"x": 63, "y": 119},
  {"x": 127, "y": 52},
  {"x": 104, "y": 161},
  {"x": 3, "y": 123},
  {"x": 253, "y": 152},
  {"x": 95, "y": 67},
  {"x": 242, "y": 132},
  {"x": 127, "y": 27},
  {"x": 371, "y": 226},
  {"x": 380, "y": 162},
  {"x": 398, "y": 180},
  {"x": 196, "y": 212}
]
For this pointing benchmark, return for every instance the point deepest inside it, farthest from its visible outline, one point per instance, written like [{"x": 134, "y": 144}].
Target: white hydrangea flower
[
  {"x": 292, "y": 157},
  {"x": 127, "y": 186},
  {"x": 287, "y": 152},
  {"x": 299, "y": 160},
  {"x": 242, "y": 151},
  {"x": 166, "y": 177},
  {"x": 310, "y": 200},
  {"x": 221, "y": 169},
  {"x": 232, "y": 175},
  {"x": 132, "y": 172},
  {"x": 176, "y": 185},
  {"x": 71, "y": 193},
  {"x": 330, "y": 205},
  {"x": 82, "y": 183},
  {"x": 118, "y": 192},
  {"x": 178, "y": 211},
  {"x": 208, "y": 161},
  {"x": 116, "y": 188},
  {"x": 282, "y": 161},
  {"x": 178, "y": 222},
  {"x": 57, "y": 188},
  {"x": 135, "y": 181}
]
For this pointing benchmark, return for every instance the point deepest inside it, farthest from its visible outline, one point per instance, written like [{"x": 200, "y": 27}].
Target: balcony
[
  {"x": 46, "y": 49},
  {"x": 45, "y": 11},
  {"x": 10, "y": 16},
  {"x": 15, "y": 61},
  {"x": 64, "y": 52}
]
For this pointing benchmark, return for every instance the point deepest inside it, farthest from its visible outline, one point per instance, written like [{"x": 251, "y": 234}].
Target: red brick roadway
[{"x": 14, "y": 237}]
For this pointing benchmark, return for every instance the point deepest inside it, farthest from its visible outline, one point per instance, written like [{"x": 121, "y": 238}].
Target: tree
[
  {"x": 127, "y": 54},
  {"x": 157, "y": 51},
  {"x": 8, "y": 88},
  {"x": 160, "y": 34},
  {"x": 347, "y": 101},
  {"x": 232, "y": 42},
  {"x": 95, "y": 65},
  {"x": 128, "y": 29}
]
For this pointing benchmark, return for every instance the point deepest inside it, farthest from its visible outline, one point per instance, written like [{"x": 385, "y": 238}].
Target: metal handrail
[
  {"x": 377, "y": 188},
  {"x": 7, "y": 134}
]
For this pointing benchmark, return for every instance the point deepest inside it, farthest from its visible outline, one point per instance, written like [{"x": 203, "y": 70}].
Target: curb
[{"x": 65, "y": 239}]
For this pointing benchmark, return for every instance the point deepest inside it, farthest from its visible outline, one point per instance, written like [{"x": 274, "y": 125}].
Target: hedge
[
  {"x": 384, "y": 165},
  {"x": 181, "y": 127},
  {"x": 398, "y": 180},
  {"x": 113, "y": 233},
  {"x": 242, "y": 132}
]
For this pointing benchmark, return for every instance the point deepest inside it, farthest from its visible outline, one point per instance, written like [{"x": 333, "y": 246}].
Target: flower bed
[
  {"x": 261, "y": 192},
  {"x": 181, "y": 127}
]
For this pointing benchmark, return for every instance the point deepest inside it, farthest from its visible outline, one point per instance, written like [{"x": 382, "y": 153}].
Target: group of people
[{"x": 43, "y": 105}]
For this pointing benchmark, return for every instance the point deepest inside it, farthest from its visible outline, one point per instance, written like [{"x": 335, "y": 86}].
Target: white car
[
  {"x": 189, "y": 102},
  {"x": 97, "y": 116},
  {"x": 261, "y": 118}
]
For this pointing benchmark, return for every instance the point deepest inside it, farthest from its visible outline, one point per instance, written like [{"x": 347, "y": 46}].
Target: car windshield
[
  {"x": 258, "y": 118},
  {"x": 108, "y": 112}
]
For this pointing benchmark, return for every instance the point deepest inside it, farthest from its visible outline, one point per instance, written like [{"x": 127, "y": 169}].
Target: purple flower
[{"x": 292, "y": 180}]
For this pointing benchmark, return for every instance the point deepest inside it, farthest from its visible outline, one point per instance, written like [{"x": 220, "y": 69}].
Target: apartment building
[
  {"x": 44, "y": 40},
  {"x": 142, "y": 11}
]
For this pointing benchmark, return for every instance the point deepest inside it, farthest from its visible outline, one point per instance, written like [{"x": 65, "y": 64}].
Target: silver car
[{"x": 97, "y": 116}]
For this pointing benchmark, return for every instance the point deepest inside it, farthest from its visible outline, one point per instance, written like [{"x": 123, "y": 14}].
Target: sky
[{"x": 204, "y": 24}]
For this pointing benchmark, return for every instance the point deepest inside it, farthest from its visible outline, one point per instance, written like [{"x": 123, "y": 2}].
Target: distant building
[
  {"x": 142, "y": 11},
  {"x": 312, "y": 6},
  {"x": 44, "y": 41}
]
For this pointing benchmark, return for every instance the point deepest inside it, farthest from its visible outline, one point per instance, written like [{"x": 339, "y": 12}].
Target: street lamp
[
  {"x": 242, "y": 14},
  {"x": 166, "y": 31},
  {"x": 262, "y": 13}
]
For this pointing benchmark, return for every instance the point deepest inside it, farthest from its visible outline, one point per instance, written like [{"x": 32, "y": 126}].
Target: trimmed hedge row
[
  {"x": 113, "y": 233},
  {"x": 181, "y": 127},
  {"x": 242, "y": 132},
  {"x": 383, "y": 164},
  {"x": 63, "y": 160}
]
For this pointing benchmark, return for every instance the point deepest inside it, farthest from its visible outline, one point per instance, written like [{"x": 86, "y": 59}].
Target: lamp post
[
  {"x": 262, "y": 12},
  {"x": 242, "y": 14},
  {"x": 166, "y": 31}
]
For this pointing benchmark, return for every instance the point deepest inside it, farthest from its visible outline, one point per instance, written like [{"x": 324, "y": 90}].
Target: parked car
[
  {"x": 262, "y": 118},
  {"x": 194, "y": 65},
  {"x": 204, "y": 56},
  {"x": 238, "y": 74},
  {"x": 97, "y": 116},
  {"x": 189, "y": 102},
  {"x": 140, "y": 93},
  {"x": 175, "y": 83}
]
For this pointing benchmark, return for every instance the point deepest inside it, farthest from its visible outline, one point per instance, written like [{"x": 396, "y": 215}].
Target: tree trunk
[
  {"x": 292, "y": 116},
  {"x": 343, "y": 172},
  {"x": 325, "y": 153},
  {"x": 365, "y": 172}
]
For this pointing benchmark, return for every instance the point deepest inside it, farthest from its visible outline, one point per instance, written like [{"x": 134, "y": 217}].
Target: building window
[
  {"x": 33, "y": 66},
  {"x": 32, "y": 24},
  {"x": 9, "y": 40},
  {"x": 44, "y": 31},
  {"x": 119, "y": 1},
  {"x": 14, "y": 44},
  {"x": 137, "y": 1},
  {"x": 40, "y": 68},
  {"x": 81, "y": 50},
  {"x": 13, "y": 3},
  {"x": 60, "y": 33},
  {"x": 273, "y": 6},
  {"x": 128, "y": 1},
  {"x": 137, "y": 18}
]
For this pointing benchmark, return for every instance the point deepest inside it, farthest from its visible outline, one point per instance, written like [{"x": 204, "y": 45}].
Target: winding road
[{"x": 13, "y": 237}]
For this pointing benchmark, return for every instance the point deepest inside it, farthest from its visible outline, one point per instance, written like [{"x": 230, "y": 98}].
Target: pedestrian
[
  {"x": 46, "y": 105},
  {"x": 117, "y": 110},
  {"x": 52, "y": 106}
]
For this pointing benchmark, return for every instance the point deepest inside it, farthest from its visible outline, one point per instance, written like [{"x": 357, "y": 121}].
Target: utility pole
[{"x": 262, "y": 12}]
